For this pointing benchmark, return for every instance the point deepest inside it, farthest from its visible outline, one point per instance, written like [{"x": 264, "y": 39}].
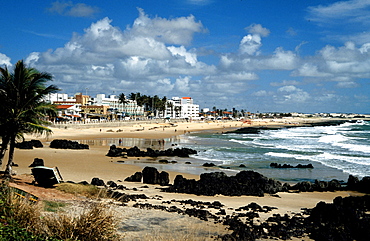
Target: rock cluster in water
[
  {"x": 67, "y": 144},
  {"x": 276, "y": 165},
  {"x": 136, "y": 152},
  {"x": 243, "y": 183}
]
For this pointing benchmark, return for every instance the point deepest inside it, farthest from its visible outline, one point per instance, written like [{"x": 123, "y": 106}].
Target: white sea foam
[
  {"x": 355, "y": 147},
  {"x": 287, "y": 155},
  {"x": 333, "y": 138}
]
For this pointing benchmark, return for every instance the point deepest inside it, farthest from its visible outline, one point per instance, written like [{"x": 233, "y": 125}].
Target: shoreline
[
  {"x": 83, "y": 165},
  {"x": 94, "y": 162}
]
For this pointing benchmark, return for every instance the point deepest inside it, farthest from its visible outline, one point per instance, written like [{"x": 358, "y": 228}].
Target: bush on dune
[{"x": 21, "y": 219}]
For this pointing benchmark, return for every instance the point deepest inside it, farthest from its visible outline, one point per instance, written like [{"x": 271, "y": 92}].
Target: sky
[{"x": 307, "y": 56}]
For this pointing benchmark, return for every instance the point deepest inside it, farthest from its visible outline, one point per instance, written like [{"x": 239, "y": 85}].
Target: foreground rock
[
  {"x": 66, "y": 144},
  {"x": 344, "y": 219},
  {"x": 136, "y": 152},
  {"x": 152, "y": 176},
  {"x": 244, "y": 183}
]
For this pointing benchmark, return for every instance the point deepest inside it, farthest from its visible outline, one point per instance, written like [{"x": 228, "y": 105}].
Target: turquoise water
[{"x": 334, "y": 151}]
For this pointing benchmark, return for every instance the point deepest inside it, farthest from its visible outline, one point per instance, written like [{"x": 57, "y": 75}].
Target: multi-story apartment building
[
  {"x": 130, "y": 108},
  {"x": 181, "y": 108}
]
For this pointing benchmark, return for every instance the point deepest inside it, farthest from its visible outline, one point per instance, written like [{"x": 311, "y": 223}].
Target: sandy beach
[{"x": 83, "y": 165}]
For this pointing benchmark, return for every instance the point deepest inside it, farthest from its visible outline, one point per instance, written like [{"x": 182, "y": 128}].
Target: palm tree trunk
[
  {"x": 4, "y": 146},
  {"x": 8, "y": 170}
]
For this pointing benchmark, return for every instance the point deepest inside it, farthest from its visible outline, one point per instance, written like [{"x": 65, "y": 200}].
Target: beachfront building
[
  {"x": 67, "y": 112},
  {"x": 57, "y": 97},
  {"x": 181, "y": 108},
  {"x": 121, "y": 110}
]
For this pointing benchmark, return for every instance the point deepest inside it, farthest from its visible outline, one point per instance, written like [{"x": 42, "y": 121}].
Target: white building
[
  {"x": 130, "y": 108},
  {"x": 54, "y": 97},
  {"x": 181, "y": 108}
]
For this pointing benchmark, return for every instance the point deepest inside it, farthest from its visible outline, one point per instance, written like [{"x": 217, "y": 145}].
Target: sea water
[{"x": 334, "y": 151}]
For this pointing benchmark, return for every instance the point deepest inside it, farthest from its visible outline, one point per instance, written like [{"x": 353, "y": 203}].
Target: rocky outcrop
[
  {"x": 320, "y": 186},
  {"x": 244, "y": 183},
  {"x": 276, "y": 165},
  {"x": 345, "y": 219},
  {"x": 66, "y": 144},
  {"x": 152, "y": 176},
  {"x": 135, "y": 177},
  {"x": 29, "y": 144},
  {"x": 115, "y": 151},
  {"x": 97, "y": 182},
  {"x": 353, "y": 184}
]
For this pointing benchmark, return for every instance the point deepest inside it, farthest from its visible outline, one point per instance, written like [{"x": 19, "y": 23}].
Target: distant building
[
  {"x": 181, "y": 108},
  {"x": 130, "y": 108}
]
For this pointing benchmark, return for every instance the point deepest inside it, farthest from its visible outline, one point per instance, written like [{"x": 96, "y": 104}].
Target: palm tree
[
  {"x": 122, "y": 100},
  {"x": 23, "y": 107}
]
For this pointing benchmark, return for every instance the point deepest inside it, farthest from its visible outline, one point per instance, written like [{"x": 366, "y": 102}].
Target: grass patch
[
  {"x": 21, "y": 219},
  {"x": 84, "y": 190},
  {"x": 51, "y": 206}
]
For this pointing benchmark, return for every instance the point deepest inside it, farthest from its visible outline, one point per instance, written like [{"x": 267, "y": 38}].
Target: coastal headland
[{"x": 86, "y": 164}]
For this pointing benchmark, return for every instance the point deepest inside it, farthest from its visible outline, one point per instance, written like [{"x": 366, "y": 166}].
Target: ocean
[{"x": 335, "y": 152}]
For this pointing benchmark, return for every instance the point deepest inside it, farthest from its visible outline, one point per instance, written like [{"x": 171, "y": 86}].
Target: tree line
[{"x": 151, "y": 104}]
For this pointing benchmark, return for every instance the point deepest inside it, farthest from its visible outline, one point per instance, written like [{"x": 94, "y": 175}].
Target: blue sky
[{"x": 267, "y": 56}]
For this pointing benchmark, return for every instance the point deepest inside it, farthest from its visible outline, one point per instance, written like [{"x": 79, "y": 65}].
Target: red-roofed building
[{"x": 70, "y": 112}]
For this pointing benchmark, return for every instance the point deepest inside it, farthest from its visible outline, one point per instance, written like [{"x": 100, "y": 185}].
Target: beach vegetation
[
  {"x": 22, "y": 93},
  {"x": 21, "y": 219},
  {"x": 52, "y": 206},
  {"x": 91, "y": 191}
]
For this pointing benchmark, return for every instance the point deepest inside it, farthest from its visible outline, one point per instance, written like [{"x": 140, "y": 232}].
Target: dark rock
[
  {"x": 112, "y": 184},
  {"x": 152, "y": 176},
  {"x": 37, "y": 162},
  {"x": 303, "y": 186},
  {"x": 344, "y": 219},
  {"x": 209, "y": 164},
  {"x": 164, "y": 178},
  {"x": 135, "y": 177},
  {"x": 276, "y": 165},
  {"x": 97, "y": 182},
  {"x": 355, "y": 184},
  {"x": 136, "y": 152},
  {"x": 66, "y": 144},
  {"x": 242, "y": 165},
  {"x": 243, "y": 183},
  {"x": 29, "y": 144},
  {"x": 333, "y": 185},
  {"x": 163, "y": 161}
]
